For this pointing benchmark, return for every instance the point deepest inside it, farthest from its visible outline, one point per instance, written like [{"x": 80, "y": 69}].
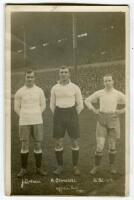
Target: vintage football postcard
[{"x": 66, "y": 100}]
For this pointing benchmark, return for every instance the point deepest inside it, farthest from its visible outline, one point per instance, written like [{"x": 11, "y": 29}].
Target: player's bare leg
[
  {"x": 24, "y": 158},
  {"x": 59, "y": 156},
  {"x": 38, "y": 158},
  {"x": 75, "y": 156}
]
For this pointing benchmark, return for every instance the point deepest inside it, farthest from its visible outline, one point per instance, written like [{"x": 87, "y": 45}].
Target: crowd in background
[{"x": 89, "y": 79}]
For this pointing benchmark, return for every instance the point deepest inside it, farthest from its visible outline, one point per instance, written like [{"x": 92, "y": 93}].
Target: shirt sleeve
[
  {"x": 93, "y": 98},
  {"x": 52, "y": 100},
  {"x": 17, "y": 102},
  {"x": 42, "y": 101},
  {"x": 121, "y": 98},
  {"x": 79, "y": 100}
]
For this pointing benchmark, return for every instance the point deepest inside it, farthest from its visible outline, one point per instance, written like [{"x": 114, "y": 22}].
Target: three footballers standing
[{"x": 66, "y": 103}]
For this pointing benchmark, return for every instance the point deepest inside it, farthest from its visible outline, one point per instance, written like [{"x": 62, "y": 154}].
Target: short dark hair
[
  {"x": 29, "y": 71},
  {"x": 64, "y": 67},
  {"x": 108, "y": 74}
]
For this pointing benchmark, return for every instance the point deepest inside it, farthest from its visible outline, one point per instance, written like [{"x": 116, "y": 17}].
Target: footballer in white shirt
[
  {"x": 66, "y": 103},
  {"x": 29, "y": 104},
  {"x": 108, "y": 123}
]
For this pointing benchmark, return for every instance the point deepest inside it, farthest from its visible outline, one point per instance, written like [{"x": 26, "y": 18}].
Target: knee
[
  {"x": 99, "y": 149},
  {"x": 112, "y": 145},
  {"x": 112, "y": 151},
  {"x": 100, "y": 145},
  {"x": 74, "y": 145},
  {"x": 37, "y": 147},
  {"x": 24, "y": 147},
  {"x": 59, "y": 144}
]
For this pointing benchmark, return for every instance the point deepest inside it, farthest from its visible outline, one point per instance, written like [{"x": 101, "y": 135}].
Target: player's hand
[
  {"x": 96, "y": 111},
  {"x": 119, "y": 112}
]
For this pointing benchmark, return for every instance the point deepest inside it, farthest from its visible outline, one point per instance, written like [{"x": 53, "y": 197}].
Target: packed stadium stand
[
  {"x": 90, "y": 77},
  {"x": 48, "y": 45}
]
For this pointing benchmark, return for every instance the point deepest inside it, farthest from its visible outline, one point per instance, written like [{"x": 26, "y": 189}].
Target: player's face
[
  {"x": 29, "y": 79},
  {"x": 64, "y": 74},
  {"x": 108, "y": 82}
]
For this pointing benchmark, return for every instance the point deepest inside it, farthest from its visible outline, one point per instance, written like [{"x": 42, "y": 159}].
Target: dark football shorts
[
  {"x": 65, "y": 119},
  {"x": 36, "y": 131}
]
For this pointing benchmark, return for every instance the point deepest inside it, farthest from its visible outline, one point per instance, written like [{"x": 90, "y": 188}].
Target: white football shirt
[
  {"x": 66, "y": 96},
  {"x": 29, "y": 104},
  {"x": 108, "y": 100}
]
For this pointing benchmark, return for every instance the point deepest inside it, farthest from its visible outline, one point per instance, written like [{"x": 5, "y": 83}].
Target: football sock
[
  {"x": 75, "y": 157},
  {"x": 111, "y": 158},
  {"x": 98, "y": 160},
  {"x": 38, "y": 159},
  {"x": 24, "y": 159},
  {"x": 59, "y": 157}
]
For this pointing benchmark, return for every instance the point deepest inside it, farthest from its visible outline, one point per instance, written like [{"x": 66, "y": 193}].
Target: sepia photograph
[{"x": 67, "y": 92}]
